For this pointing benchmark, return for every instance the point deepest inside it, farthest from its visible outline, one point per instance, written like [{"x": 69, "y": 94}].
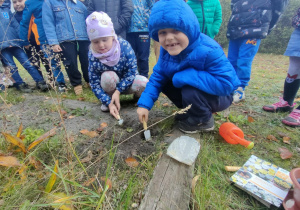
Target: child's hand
[
  {"x": 56, "y": 48},
  {"x": 115, "y": 99},
  {"x": 143, "y": 113},
  {"x": 113, "y": 110}
]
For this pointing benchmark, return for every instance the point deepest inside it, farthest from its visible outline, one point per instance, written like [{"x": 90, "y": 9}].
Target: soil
[{"x": 40, "y": 112}]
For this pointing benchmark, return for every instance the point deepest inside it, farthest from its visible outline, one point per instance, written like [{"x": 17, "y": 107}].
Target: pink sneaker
[
  {"x": 281, "y": 106},
  {"x": 293, "y": 119}
]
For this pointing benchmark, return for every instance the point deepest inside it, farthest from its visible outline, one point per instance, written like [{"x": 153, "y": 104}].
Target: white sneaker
[
  {"x": 104, "y": 108},
  {"x": 239, "y": 95}
]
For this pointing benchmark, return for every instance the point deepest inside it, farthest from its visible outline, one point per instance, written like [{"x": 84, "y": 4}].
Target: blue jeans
[
  {"x": 55, "y": 66},
  {"x": 20, "y": 55},
  {"x": 241, "y": 53}
]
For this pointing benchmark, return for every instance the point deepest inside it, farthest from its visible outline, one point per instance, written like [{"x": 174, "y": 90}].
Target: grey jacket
[{"x": 119, "y": 11}]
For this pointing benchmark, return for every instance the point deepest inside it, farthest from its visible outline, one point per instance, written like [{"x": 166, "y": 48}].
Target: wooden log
[{"x": 170, "y": 187}]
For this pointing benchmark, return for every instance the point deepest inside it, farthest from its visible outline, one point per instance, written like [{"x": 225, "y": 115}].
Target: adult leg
[
  {"x": 84, "y": 59},
  {"x": 143, "y": 52},
  {"x": 70, "y": 62}
]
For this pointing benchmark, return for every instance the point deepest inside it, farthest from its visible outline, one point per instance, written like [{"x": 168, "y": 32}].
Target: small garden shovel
[{"x": 146, "y": 132}]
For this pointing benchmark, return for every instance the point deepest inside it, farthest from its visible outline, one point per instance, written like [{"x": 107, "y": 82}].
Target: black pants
[
  {"x": 140, "y": 43},
  {"x": 203, "y": 104},
  {"x": 70, "y": 53},
  {"x": 36, "y": 55}
]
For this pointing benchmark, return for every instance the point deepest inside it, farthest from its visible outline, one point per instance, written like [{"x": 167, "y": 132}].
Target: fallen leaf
[
  {"x": 14, "y": 140},
  {"x": 250, "y": 136},
  {"x": 46, "y": 135},
  {"x": 21, "y": 172},
  {"x": 36, "y": 163},
  {"x": 88, "y": 157},
  {"x": 107, "y": 182},
  {"x": 132, "y": 162},
  {"x": 20, "y": 131},
  {"x": 71, "y": 116},
  {"x": 272, "y": 138},
  {"x": 89, "y": 182},
  {"x": 194, "y": 181},
  {"x": 52, "y": 179},
  {"x": 286, "y": 140},
  {"x": 129, "y": 130},
  {"x": 71, "y": 139},
  {"x": 282, "y": 134},
  {"x": 250, "y": 119},
  {"x": 91, "y": 134},
  {"x": 63, "y": 112},
  {"x": 103, "y": 125},
  {"x": 60, "y": 201},
  {"x": 9, "y": 161},
  {"x": 81, "y": 99},
  {"x": 285, "y": 153},
  {"x": 165, "y": 105}
]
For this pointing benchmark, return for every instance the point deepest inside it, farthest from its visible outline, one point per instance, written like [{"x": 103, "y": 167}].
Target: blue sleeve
[
  {"x": 153, "y": 88},
  {"x": 49, "y": 23},
  {"x": 130, "y": 70},
  {"x": 217, "y": 78},
  {"x": 95, "y": 82},
  {"x": 24, "y": 24}
]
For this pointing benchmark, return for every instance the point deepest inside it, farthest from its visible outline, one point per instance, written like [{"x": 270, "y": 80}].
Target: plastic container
[{"x": 234, "y": 135}]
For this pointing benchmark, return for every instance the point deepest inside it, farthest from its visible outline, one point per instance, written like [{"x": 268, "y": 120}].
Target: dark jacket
[
  {"x": 255, "y": 18},
  {"x": 202, "y": 64},
  {"x": 119, "y": 11}
]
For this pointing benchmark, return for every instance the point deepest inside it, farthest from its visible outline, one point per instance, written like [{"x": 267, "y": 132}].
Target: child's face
[
  {"x": 102, "y": 44},
  {"x": 18, "y": 5},
  {"x": 1, "y": 2},
  {"x": 172, "y": 40}
]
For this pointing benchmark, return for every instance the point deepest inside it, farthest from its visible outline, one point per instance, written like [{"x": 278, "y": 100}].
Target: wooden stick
[
  {"x": 118, "y": 117},
  {"x": 232, "y": 168},
  {"x": 144, "y": 124}
]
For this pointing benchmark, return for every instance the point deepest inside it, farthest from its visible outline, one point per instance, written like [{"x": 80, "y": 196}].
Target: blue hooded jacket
[{"x": 202, "y": 64}]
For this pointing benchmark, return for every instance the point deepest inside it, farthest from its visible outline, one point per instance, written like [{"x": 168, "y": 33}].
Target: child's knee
[
  {"x": 139, "y": 85},
  {"x": 109, "y": 81}
]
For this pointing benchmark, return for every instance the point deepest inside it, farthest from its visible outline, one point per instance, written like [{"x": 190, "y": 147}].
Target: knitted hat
[{"x": 98, "y": 24}]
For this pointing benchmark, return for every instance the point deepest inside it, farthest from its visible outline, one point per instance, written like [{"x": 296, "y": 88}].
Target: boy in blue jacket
[
  {"x": 192, "y": 68},
  {"x": 11, "y": 46}
]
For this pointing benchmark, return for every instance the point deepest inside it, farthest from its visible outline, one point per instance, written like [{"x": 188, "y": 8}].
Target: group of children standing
[{"x": 192, "y": 68}]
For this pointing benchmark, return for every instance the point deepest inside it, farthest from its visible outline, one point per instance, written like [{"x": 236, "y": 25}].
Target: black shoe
[
  {"x": 181, "y": 117},
  {"x": 24, "y": 88},
  {"x": 186, "y": 127},
  {"x": 62, "y": 87},
  {"x": 42, "y": 85}
]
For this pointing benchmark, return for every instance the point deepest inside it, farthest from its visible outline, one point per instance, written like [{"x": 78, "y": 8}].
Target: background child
[
  {"x": 32, "y": 24},
  {"x": 292, "y": 81},
  {"x": 112, "y": 64},
  {"x": 138, "y": 34},
  {"x": 192, "y": 68},
  {"x": 209, "y": 15},
  {"x": 10, "y": 46},
  {"x": 250, "y": 22},
  {"x": 65, "y": 28}
]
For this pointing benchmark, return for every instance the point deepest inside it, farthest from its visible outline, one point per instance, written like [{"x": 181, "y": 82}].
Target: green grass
[{"x": 213, "y": 189}]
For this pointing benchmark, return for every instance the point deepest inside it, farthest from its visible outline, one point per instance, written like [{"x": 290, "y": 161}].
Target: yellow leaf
[
  {"x": 61, "y": 201},
  {"x": 42, "y": 138},
  {"x": 9, "y": 161},
  {"x": 52, "y": 179},
  {"x": 21, "y": 171},
  {"x": 20, "y": 131},
  {"x": 132, "y": 162},
  {"x": 194, "y": 181},
  {"x": 14, "y": 140},
  {"x": 286, "y": 140},
  {"x": 91, "y": 134}
]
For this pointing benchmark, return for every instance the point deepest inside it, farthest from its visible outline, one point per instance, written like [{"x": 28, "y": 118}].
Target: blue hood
[{"x": 176, "y": 14}]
